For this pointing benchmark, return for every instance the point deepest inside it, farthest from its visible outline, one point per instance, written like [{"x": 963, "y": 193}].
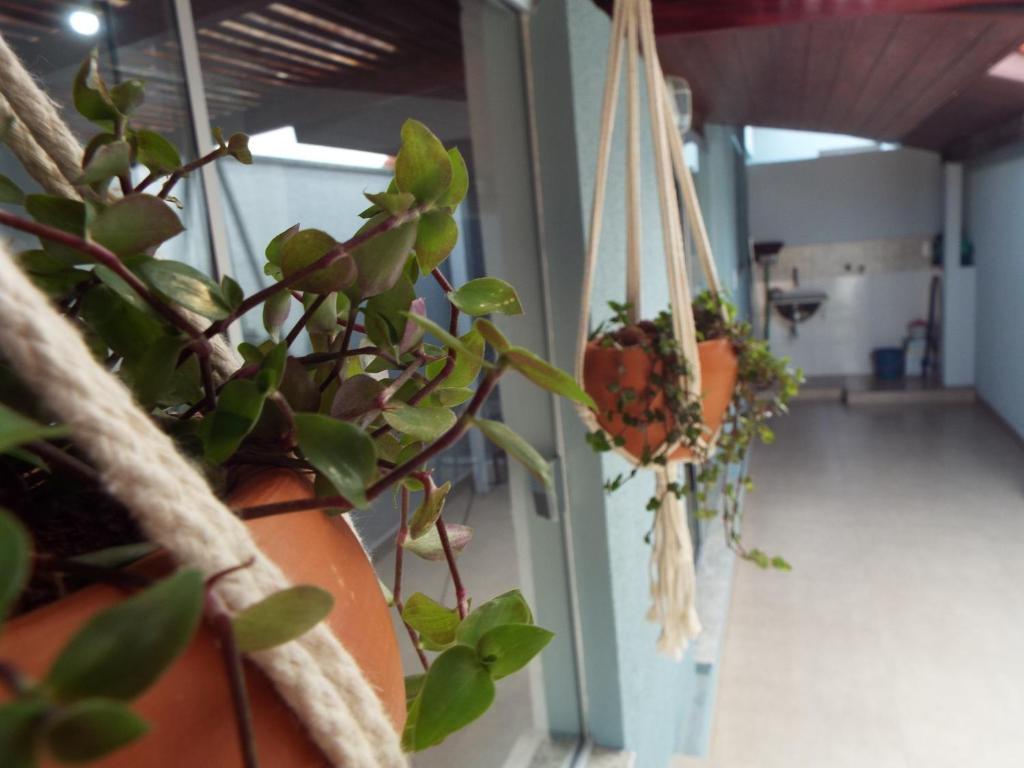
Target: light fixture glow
[
  {"x": 84, "y": 22},
  {"x": 283, "y": 143},
  {"x": 1009, "y": 68}
]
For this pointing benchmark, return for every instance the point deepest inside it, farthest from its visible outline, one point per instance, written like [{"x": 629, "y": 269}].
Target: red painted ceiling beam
[{"x": 673, "y": 17}]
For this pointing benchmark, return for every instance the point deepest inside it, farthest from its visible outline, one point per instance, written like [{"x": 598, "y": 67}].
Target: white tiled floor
[{"x": 898, "y": 639}]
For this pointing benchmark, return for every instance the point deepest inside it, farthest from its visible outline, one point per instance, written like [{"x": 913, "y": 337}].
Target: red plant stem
[
  {"x": 108, "y": 259},
  {"x": 357, "y": 327},
  {"x": 346, "y": 339},
  {"x": 318, "y": 358},
  {"x": 236, "y": 682},
  {"x": 293, "y": 334},
  {"x": 396, "y": 592},
  {"x": 338, "y": 252},
  {"x": 444, "y": 442},
  {"x": 453, "y": 329},
  {"x": 185, "y": 170},
  {"x": 460, "y": 590}
]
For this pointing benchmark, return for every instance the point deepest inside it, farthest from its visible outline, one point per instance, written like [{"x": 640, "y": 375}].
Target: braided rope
[
  {"x": 40, "y": 114},
  {"x": 140, "y": 466}
]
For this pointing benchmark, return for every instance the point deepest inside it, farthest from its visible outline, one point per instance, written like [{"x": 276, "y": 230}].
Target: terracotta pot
[
  {"x": 189, "y": 708},
  {"x": 632, "y": 367}
]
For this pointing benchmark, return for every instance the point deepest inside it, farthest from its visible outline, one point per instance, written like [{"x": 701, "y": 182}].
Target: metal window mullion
[{"x": 196, "y": 91}]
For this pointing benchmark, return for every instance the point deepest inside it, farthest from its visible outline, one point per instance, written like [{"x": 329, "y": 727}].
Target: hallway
[{"x": 896, "y": 640}]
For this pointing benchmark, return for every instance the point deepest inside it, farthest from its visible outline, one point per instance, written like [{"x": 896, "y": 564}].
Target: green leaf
[
  {"x": 122, "y": 650},
  {"x": 67, "y": 215},
  {"x": 516, "y": 447},
  {"x": 151, "y": 373},
  {"x": 490, "y": 332},
  {"x": 389, "y": 307},
  {"x": 90, "y": 729},
  {"x": 273, "y": 251},
  {"x": 275, "y": 312},
  {"x": 380, "y": 261},
  {"x": 508, "y": 608},
  {"x": 135, "y": 224},
  {"x": 428, "y": 546},
  {"x": 16, "y": 429},
  {"x": 109, "y": 161},
  {"x": 155, "y": 152},
  {"x": 90, "y": 94},
  {"x": 341, "y": 451},
  {"x": 238, "y": 148},
  {"x": 393, "y": 203},
  {"x": 304, "y": 248},
  {"x": 10, "y": 192},
  {"x": 271, "y": 372},
  {"x": 413, "y": 686},
  {"x": 231, "y": 292},
  {"x": 459, "y": 186},
  {"x": 19, "y": 723},
  {"x": 117, "y": 556},
  {"x": 545, "y": 375},
  {"x": 486, "y": 295},
  {"x": 450, "y": 396},
  {"x": 281, "y": 617},
  {"x": 429, "y": 510},
  {"x": 15, "y": 553},
  {"x": 431, "y": 619},
  {"x": 120, "y": 286},
  {"x": 422, "y": 167},
  {"x": 356, "y": 396},
  {"x": 436, "y": 236},
  {"x": 423, "y": 423},
  {"x": 124, "y": 328},
  {"x": 238, "y": 410},
  {"x": 457, "y": 690},
  {"x": 508, "y": 648},
  {"x": 128, "y": 95},
  {"x": 446, "y": 338},
  {"x": 467, "y": 366},
  {"x": 187, "y": 286}
]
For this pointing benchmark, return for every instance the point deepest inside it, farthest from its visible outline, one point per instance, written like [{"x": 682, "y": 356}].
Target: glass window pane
[
  {"x": 323, "y": 92},
  {"x": 136, "y": 40}
]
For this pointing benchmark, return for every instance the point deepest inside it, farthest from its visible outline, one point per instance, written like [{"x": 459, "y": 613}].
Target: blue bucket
[{"x": 889, "y": 363}]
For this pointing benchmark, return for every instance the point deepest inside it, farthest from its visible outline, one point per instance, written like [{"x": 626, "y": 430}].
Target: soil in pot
[
  {"x": 629, "y": 363},
  {"x": 189, "y": 709}
]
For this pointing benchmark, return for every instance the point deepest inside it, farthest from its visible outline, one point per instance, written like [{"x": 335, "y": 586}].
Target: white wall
[
  {"x": 994, "y": 201},
  {"x": 875, "y": 212},
  {"x": 959, "y": 289},
  {"x": 865, "y": 196}
]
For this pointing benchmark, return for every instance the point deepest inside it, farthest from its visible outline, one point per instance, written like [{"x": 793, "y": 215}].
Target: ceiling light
[{"x": 84, "y": 22}]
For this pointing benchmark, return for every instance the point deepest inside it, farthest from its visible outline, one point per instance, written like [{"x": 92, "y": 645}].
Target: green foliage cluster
[
  {"x": 384, "y": 391},
  {"x": 764, "y": 387}
]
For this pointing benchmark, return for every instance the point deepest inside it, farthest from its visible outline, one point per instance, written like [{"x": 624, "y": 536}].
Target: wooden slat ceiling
[
  {"x": 906, "y": 77},
  {"x": 685, "y": 16},
  {"x": 253, "y": 51}
]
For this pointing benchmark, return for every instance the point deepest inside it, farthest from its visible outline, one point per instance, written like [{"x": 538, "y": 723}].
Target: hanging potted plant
[
  {"x": 637, "y": 375},
  {"x": 641, "y": 411},
  {"x": 127, "y": 579}
]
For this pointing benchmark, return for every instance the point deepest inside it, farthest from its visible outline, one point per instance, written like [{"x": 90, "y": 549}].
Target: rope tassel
[{"x": 672, "y": 574}]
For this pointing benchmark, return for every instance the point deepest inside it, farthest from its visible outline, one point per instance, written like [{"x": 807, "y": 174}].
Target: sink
[{"x": 796, "y": 306}]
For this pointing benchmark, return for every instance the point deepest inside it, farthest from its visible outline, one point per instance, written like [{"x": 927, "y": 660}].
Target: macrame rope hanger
[
  {"x": 672, "y": 571},
  {"x": 140, "y": 466}
]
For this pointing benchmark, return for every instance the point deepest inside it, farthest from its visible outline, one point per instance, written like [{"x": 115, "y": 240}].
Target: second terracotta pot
[{"x": 606, "y": 368}]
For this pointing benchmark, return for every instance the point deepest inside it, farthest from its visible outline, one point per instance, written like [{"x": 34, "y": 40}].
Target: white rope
[
  {"x": 672, "y": 572},
  {"x": 673, "y": 576},
  {"x": 634, "y": 221},
  {"x": 40, "y": 115},
  {"x": 140, "y": 466},
  {"x": 33, "y": 158}
]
